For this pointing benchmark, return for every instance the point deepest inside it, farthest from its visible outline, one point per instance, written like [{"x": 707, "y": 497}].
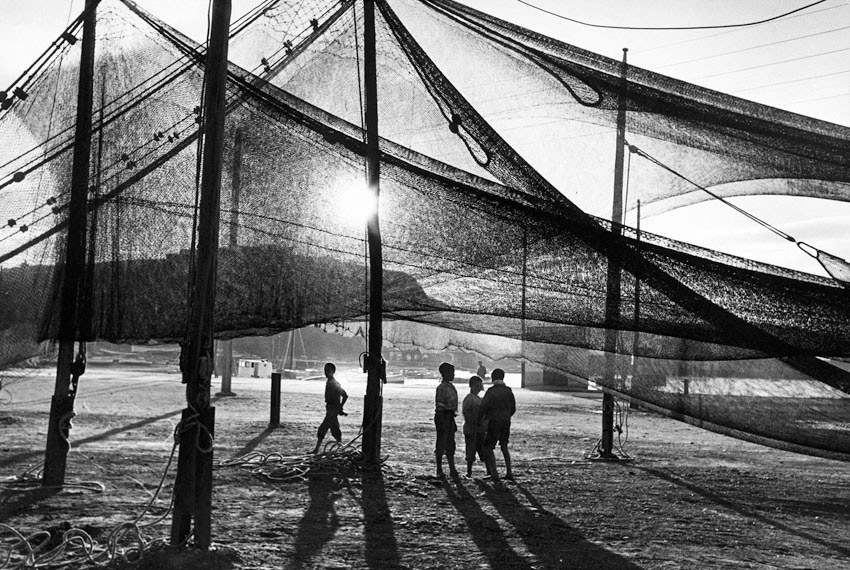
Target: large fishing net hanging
[{"x": 483, "y": 248}]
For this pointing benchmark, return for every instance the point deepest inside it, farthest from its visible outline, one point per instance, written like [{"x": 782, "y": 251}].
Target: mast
[
  {"x": 68, "y": 371},
  {"x": 612, "y": 300},
  {"x": 193, "y": 483},
  {"x": 372, "y": 407}
]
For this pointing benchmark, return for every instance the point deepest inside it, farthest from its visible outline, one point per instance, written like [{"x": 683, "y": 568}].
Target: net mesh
[{"x": 484, "y": 249}]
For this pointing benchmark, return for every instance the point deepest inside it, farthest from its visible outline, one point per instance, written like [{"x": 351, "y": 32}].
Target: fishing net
[{"x": 488, "y": 244}]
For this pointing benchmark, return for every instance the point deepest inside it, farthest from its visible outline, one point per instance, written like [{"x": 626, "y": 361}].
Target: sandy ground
[{"x": 687, "y": 499}]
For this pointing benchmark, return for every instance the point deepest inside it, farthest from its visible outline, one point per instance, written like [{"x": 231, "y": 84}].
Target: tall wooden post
[
  {"x": 193, "y": 484},
  {"x": 62, "y": 404},
  {"x": 235, "y": 188},
  {"x": 524, "y": 298},
  {"x": 372, "y": 407},
  {"x": 612, "y": 300}
]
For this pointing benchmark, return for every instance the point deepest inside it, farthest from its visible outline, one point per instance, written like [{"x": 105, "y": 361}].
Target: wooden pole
[
  {"x": 636, "y": 339},
  {"x": 227, "y": 345},
  {"x": 274, "y": 402},
  {"x": 612, "y": 300},
  {"x": 193, "y": 484},
  {"x": 524, "y": 281},
  {"x": 372, "y": 411},
  {"x": 62, "y": 404}
]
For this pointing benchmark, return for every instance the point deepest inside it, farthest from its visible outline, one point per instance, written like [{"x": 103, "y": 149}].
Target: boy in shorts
[{"x": 497, "y": 407}]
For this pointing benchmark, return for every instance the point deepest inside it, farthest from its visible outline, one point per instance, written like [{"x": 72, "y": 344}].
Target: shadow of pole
[
  {"x": 76, "y": 444},
  {"x": 553, "y": 543},
  {"x": 485, "y": 530},
  {"x": 381, "y": 544},
  {"x": 319, "y": 523},
  {"x": 733, "y": 506},
  {"x": 14, "y": 502},
  {"x": 252, "y": 445}
]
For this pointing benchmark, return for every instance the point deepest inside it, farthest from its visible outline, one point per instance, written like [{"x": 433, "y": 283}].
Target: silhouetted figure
[
  {"x": 444, "y": 419},
  {"x": 482, "y": 371},
  {"x": 473, "y": 428},
  {"x": 335, "y": 398},
  {"x": 497, "y": 407}
]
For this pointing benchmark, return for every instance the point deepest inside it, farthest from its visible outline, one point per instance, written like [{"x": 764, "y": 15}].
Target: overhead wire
[
  {"x": 773, "y": 63},
  {"x": 667, "y": 46},
  {"x": 663, "y": 28},
  {"x": 750, "y": 48}
]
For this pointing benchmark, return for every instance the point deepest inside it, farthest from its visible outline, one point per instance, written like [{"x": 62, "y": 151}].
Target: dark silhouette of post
[
  {"x": 193, "y": 483},
  {"x": 372, "y": 407},
  {"x": 274, "y": 416},
  {"x": 68, "y": 371},
  {"x": 612, "y": 300}
]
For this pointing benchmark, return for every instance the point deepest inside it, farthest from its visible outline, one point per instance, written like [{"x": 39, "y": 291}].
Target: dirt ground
[{"x": 688, "y": 498}]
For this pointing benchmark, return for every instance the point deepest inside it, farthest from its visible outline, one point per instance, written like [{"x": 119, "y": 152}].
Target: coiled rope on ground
[
  {"x": 77, "y": 547},
  {"x": 335, "y": 459}
]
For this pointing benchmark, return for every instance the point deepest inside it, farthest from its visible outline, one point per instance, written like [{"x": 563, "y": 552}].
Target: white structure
[{"x": 254, "y": 368}]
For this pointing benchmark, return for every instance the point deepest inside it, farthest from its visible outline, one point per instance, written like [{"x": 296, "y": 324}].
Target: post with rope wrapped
[
  {"x": 612, "y": 299},
  {"x": 69, "y": 369},
  {"x": 373, "y": 402},
  {"x": 193, "y": 483}
]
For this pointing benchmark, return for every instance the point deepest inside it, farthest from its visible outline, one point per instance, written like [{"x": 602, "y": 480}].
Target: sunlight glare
[{"x": 356, "y": 204}]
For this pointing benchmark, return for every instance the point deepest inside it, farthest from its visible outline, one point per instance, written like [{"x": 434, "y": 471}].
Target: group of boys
[{"x": 486, "y": 422}]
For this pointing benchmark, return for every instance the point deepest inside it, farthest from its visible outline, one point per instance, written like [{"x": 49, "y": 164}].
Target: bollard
[{"x": 275, "y": 400}]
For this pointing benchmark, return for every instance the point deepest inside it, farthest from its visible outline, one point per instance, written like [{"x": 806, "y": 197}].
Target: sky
[{"x": 799, "y": 63}]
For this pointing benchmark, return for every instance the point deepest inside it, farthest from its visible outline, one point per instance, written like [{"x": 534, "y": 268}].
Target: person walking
[
  {"x": 473, "y": 429},
  {"x": 444, "y": 419},
  {"x": 482, "y": 371},
  {"x": 335, "y": 398},
  {"x": 497, "y": 408}
]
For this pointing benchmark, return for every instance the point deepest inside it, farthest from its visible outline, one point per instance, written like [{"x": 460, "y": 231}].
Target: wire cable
[
  {"x": 808, "y": 249},
  {"x": 663, "y": 28}
]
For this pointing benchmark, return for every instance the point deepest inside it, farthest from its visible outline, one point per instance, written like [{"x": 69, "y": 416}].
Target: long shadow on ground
[
  {"x": 14, "y": 502},
  {"x": 319, "y": 523},
  {"x": 381, "y": 544},
  {"x": 485, "y": 530},
  {"x": 257, "y": 440},
  {"x": 8, "y": 461},
  {"x": 726, "y": 503},
  {"x": 553, "y": 543}
]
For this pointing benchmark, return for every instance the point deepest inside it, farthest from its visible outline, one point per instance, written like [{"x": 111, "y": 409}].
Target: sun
[{"x": 355, "y": 204}]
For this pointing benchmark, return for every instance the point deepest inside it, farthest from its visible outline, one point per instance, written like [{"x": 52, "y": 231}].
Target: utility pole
[
  {"x": 373, "y": 403},
  {"x": 68, "y": 371},
  {"x": 193, "y": 483},
  {"x": 612, "y": 300}
]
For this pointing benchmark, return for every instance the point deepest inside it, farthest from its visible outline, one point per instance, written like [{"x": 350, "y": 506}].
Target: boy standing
[
  {"x": 444, "y": 419},
  {"x": 497, "y": 407},
  {"x": 473, "y": 428}
]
